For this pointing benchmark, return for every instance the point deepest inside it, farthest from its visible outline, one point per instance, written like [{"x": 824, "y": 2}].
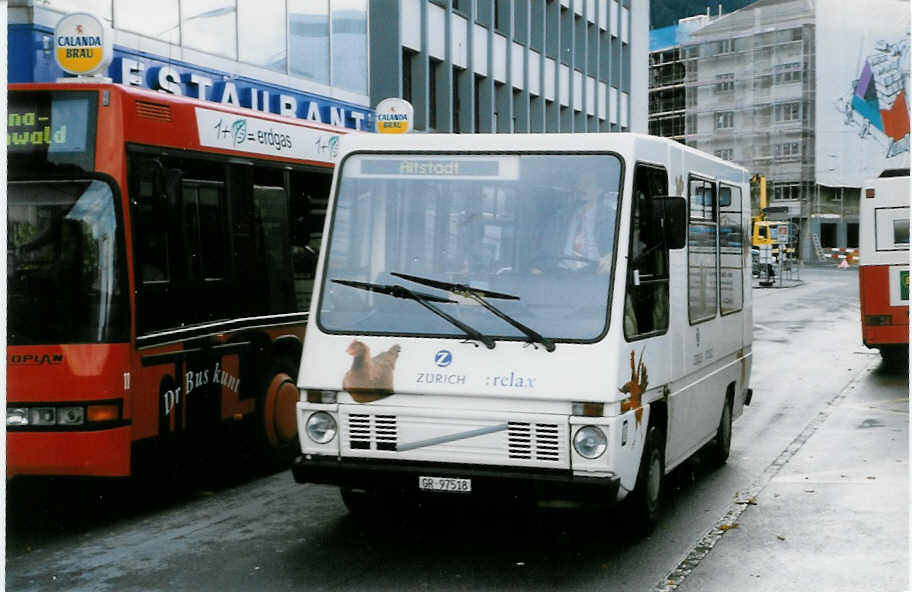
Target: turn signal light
[
  {"x": 589, "y": 409},
  {"x": 315, "y": 396},
  {"x": 102, "y": 413}
]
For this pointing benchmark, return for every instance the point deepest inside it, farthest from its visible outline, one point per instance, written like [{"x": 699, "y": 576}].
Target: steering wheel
[{"x": 554, "y": 263}]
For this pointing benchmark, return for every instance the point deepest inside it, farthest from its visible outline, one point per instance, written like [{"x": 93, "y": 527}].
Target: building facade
[
  {"x": 305, "y": 59},
  {"x": 467, "y": 66},
  {"x": 513, "y": 66}
]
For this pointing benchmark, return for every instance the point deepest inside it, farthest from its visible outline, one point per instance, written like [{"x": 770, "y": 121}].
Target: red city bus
[
  {"x": 883, "y": 273},
  {"x": 160, "y": 254}
]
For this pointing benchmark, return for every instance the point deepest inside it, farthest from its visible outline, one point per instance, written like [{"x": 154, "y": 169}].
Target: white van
[{"x": 565, "y": 316}]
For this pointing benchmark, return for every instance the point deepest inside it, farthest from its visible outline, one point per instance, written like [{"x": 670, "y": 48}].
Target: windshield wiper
[
  {"x": 424, "y": 300},
  {"x": 478, "y": 295}
]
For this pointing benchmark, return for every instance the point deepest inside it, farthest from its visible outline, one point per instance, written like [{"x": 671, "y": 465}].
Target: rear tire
[
  {"x": 895, "y": 355},
  {"x": 718, "y": 450},
  {"x": 645, "y": 501}
]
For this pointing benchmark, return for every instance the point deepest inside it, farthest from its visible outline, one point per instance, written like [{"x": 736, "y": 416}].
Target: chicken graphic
[
  {"x": 635, "y": 387},
  {"x": 370, "y": 379}
]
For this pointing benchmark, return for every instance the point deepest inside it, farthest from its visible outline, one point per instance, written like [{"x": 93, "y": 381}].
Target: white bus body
[{"x": 638, "y": 339}]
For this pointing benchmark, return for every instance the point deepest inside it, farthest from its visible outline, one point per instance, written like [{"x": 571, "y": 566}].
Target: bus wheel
[
  {"x": 358, "y": 502},
  {"x": 377, "y": 506},
  {"x": 718, "y": 450},
  {"x": 895, "y": 355},
  {"x": 644, "y": 502},
  {"x": 276, "y": 408}
]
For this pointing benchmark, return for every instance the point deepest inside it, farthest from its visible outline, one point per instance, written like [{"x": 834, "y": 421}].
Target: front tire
[
  {"x": 357, "y": 502},
  {"x": 276, "y": 423}
]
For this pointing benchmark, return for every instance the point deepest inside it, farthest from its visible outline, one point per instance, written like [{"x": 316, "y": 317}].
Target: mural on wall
[
  {"x": 861, "y": 90},
  {"x": 876, "y": 106}
]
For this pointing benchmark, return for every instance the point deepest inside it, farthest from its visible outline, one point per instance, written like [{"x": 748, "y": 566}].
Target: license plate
[{"x": 447, "y": 484}]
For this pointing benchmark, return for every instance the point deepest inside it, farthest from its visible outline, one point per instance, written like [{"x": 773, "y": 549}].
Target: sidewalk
[{"x": 835, "y": 516}]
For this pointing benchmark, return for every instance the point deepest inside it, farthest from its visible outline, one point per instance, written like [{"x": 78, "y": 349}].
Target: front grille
[
  {"x": 534, "y": 441},
  {"x": 458, "y": 437},
  {"x": 377, "y": 432}
]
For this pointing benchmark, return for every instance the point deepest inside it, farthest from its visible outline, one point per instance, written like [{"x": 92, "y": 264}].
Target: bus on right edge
[{"x": 883, "y": 274}]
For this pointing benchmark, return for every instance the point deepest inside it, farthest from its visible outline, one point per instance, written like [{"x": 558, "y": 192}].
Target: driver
[{"x": 586, "y": 236}]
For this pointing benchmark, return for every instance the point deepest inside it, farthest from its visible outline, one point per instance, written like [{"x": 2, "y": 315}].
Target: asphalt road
[{"x": 232, "y": 529}]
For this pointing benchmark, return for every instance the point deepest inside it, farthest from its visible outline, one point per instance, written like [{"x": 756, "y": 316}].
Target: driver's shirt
[{"x": 580, "y": 241}]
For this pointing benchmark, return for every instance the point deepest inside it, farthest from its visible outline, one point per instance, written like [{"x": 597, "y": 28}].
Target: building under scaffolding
[
  {"x": 666, "y": 77},
  {"x": 750, "y": 83}
]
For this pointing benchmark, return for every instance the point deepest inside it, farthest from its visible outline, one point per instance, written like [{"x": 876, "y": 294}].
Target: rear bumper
[
  {"x": 486, "y": 481},
  {"x": 101, "y": 453},
  {"x": 874, "y": 337}
]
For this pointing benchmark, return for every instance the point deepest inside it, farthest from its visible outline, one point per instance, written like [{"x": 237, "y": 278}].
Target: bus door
[
  {"x": 696, "y": 407},
  {"x": 181, "y": 253}
]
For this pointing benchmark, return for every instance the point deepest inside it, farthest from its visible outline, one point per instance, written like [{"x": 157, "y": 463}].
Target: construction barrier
[{"x": 848, "y": 256}]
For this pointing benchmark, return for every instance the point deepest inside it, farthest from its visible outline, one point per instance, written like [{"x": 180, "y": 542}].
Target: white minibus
[{"x": 559, "y": 316}]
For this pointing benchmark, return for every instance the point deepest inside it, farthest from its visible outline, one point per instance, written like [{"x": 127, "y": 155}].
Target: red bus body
[
  {"x": 176, "y": 382},
  {"x": 883, "y": 273}
]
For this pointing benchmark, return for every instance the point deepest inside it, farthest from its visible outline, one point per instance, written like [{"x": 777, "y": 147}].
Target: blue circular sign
[{"x": 443, "y": 358}]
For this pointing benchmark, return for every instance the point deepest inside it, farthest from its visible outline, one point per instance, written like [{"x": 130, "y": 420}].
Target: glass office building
[
  {"x": 301, "y": 58},
  {"x": 513, "y": 65}
]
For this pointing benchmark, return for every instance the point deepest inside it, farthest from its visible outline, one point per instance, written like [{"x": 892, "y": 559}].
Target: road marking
[{"x": 705, "y": 544}]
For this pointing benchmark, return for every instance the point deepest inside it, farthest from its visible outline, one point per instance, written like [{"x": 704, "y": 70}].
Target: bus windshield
[
  {"x": 540, "y": 228},
  {"x": 65, "y": 264}
]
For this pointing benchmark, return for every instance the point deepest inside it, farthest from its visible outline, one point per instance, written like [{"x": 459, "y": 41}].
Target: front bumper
[
  {"x": 97, "y": 453},
  {"x": 487, "y": 481}
]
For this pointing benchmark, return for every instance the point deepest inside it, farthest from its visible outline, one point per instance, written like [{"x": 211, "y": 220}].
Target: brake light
[{"x": 878, "y": 320}]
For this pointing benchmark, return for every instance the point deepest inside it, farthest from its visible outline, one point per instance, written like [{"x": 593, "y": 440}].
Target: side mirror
[{"x": 669, "y": 218}]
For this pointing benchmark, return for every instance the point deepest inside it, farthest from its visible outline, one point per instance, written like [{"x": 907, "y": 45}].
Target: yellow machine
[
  {"x": 763, "y": 231},
  {"x": 761, "y": 228}
]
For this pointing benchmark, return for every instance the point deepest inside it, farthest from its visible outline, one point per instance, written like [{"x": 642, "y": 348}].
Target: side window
[
  {"x": 646, "y": 300},
  {"x": 702, "y": 251},
  {"x": 206, "y": 249},
  {"x": 150, "y": 216},
  {"x": 731, "y": 250},
  {"x": 271, "y": 213},
  {"x": 204, "y": 228}
]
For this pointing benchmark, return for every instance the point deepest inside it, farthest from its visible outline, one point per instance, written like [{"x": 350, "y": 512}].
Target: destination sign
[
  {"x": 56, "y": 126},
  {"x": 439, "y": 168}
]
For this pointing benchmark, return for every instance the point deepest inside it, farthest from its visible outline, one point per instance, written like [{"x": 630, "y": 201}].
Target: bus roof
[
  {"x": 163, "y": 97},
  {"x": 624, "y": 143}
]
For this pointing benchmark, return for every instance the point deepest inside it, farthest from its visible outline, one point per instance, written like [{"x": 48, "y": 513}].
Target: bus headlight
[
  {"x": 42, "y": 416},
  {"x": 321, "y": 427},
  {"x": 17, "y": 416},
  {"x": 70, "y": 416},
  {"x": 590, "y": 442}
]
